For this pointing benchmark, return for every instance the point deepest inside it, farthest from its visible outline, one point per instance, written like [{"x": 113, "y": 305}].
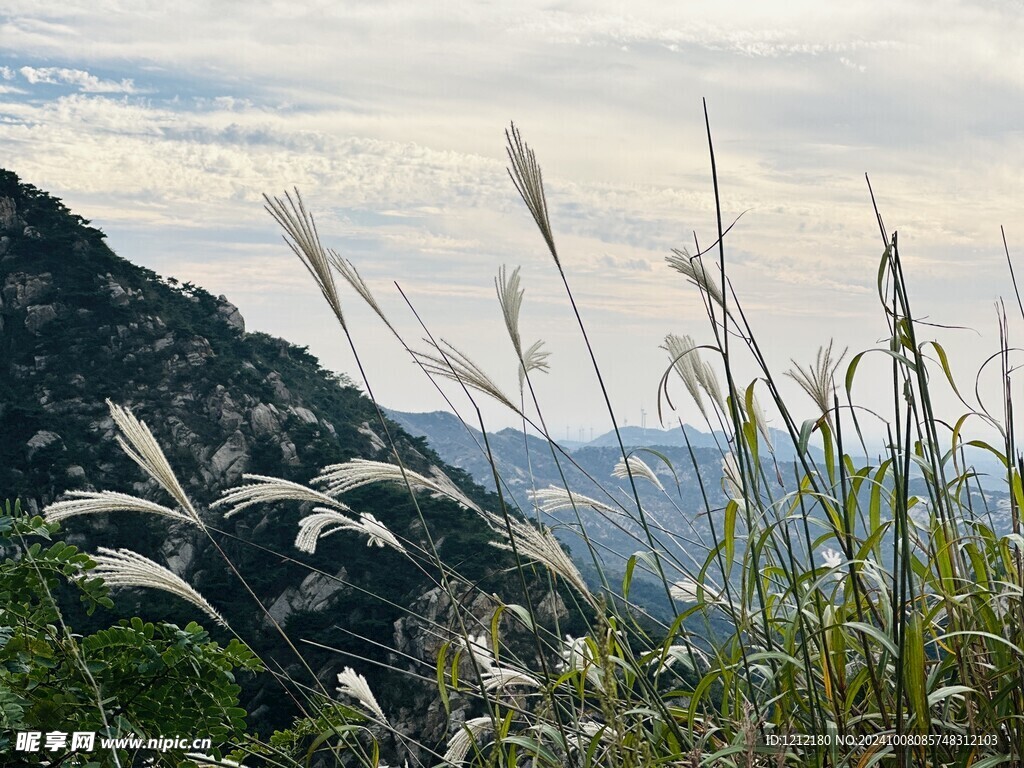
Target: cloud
[
  {"x": 389, "y": 118},
  {"x": 85, "y": 82}
]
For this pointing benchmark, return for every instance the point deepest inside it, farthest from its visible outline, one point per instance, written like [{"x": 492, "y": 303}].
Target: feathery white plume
[
  {"x": 732, "y": 482},
  {"x": 91, "y": 502},
  {"x": 832, "y": 558},
  {"x": 540, "y": 545},
  {"x": 354, "y": 685},
  {"x": 342, "y": 478},
  {"x": 526, "y": 175},
  {"x": 580, "y": 740},
  {"x": 683, "y": 354},
  {"x": 686, "y": 591},
  {"x": 510, "y": 298},
  {"x": 271, "y": 489},
  {"x": 319, "y": 524},
  {"x": 534, "y": 359},
  {"x": 348, "y": 271},
  {"x": 639, "y": 468},
  {"x": 498, "y": 678},
  {"x": 759, "y": 420},
  {"x": 454, "y": 365},
  {"x": 480, "y": 647},
  {"x": 302, "y": 237},
  {"x": 462, "y": 739},
  {"x": 694, "y": 269},
  {"x": 553, "y": 498},
  {"x": 378, "y": 533},
  {"x": 818, "y": 380},
  {"x": 124, "y": 568},
  {"x": 141, "y": 447},
  {"x": 207, "y": 760}
]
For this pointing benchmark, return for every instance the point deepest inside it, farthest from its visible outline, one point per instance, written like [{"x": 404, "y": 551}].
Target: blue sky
[{"x": 164, "y": 123}]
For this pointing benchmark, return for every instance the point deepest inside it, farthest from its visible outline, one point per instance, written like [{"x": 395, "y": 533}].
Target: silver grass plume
[
  {"x": 499, "y": 678},
  {"x": 455, "y": 366},
  {"x": 140, "y": 446},
  {"x": 534, "y": 359},
  {"x": 639, "y": 468},
  {"x": 818, "y": 380},
  {"x": 302, "y": 237},
  {"x": 462, "y": 739},
  {"x": 692, "y": 267},
  {"x": 526, "y": 175},
  {"x": 687, "y": 591},
  {"x": 341, "y": 478},
  {"x": 708, "y": 379},
  {"x": 581, "y": 739},
  {"x": 91, "y": 502},
  {"x": 510, "y": 297},
  {"x": 319, "y": 524},
  {"x": 554, "y": 498},
  {"x": 347, "y": 270},
  {"x": 687, "y": 363},
  {"x": 540, "y": 545},
  {"x": 267, "y": 490},
  {"x": 124, "y": 568},
  {"x": 732, "y": 481},
  {"x": 354, "y": 685},
  {"x": 480, "y": 648}
]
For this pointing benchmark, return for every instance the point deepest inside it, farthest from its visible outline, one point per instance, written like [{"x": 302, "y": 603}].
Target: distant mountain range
[{"x": 528, "y": 463}]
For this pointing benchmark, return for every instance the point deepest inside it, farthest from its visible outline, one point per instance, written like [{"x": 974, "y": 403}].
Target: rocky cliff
[{"x": 79, "y": 325}]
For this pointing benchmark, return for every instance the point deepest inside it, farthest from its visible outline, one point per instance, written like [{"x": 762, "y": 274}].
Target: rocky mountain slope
[{"x": 79, "y": 325}]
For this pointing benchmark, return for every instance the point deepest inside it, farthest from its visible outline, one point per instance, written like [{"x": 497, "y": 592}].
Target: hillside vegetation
[{"x": 831, "y": 610}]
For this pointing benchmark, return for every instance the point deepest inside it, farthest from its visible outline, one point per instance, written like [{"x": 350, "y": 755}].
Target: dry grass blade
[
  {"x": 139, "y": 444},
  {"x": 526, "y": 175},
  {"x": 124, "y": 568},
  {"x": 91, "y": 502},
  {"x": 302, "y": 237}
]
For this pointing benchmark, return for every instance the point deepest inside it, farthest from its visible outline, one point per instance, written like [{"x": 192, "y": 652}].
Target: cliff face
[{"x": 79, "y": 325}]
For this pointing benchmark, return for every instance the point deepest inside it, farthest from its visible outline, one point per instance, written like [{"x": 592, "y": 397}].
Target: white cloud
[
  {"x": 389, "y": 116},
  {"x": 85, "y": 82}
]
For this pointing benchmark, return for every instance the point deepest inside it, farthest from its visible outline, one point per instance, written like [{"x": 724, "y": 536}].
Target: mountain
[
  {"x": 80, "y": 325},
  {"x": 527, "y": 463},
  {"x": 675, "y": 512}
]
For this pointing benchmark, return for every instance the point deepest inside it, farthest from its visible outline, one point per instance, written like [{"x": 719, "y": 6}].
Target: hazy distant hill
[{"x": 527, "y": 463}]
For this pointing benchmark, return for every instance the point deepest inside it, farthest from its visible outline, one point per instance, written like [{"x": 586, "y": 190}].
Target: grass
[{"x": 873, "y": 609}]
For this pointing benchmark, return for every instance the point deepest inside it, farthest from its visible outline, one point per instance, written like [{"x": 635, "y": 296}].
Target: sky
[{"x": 165, "y": 123}]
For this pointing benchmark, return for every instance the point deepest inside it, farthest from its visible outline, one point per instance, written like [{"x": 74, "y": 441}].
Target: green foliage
[{"x": 133, "y": 679}]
